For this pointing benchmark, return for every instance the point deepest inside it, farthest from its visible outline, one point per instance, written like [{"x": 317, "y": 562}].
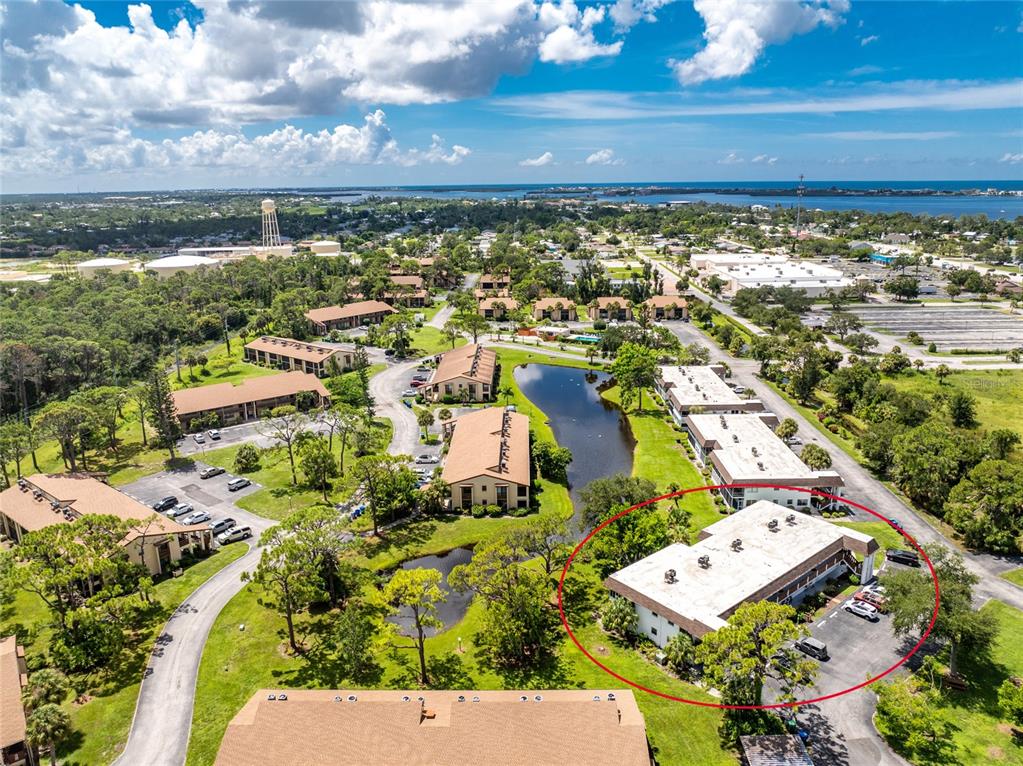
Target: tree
[
  {"x": 417, "y": 593},
  {"x": 941, "y": 372},
  {"x": 507, "y": 392},
  {"x": 321, "y": 532},
  {"x": 341, "y": 420},
  {"x": 601, "y": 495},
  {"x": 962, "y": 409},
  {"x": 805, "y": 365},
  {"x": 787, "y": 429},
  {"x": 545, "y": 537},
  {"x": 425, "y": 419},
  {"x": 288, "y": 575},
  {"x": 318, "y": 464},
  {"x": 634, "y": 368},
  {"x": 816, "y": 457},
  {"x": 911, "y": 604},
  {"x": 48, "y": 725},
  {"x": 841, "y": 323},
  {"x": 628, "y": 539},
  {"x": 473, "y": 324},
  {"x": 64, "y": 422},
  {"x": 927, "y": 461},
  {"x": 15, "y": 445},
  {"x": 451, "y": 332},
  {"x": 246, "y": 460},
  {"x": 1010, "y": 700},
  {"x": 1001, "y": 442},
  {"x": 139, "y": 396},
  {"x": 987, "y": 507},
  {"x": 860, "y": 342},
  {"x": 680, "y": 521},
  {"x": 287, "y": 427},
  {"x": 161, "y": 408},
  {"x": 356, "y": 632},
  {"x": 909, "y": 715},
  {"x": 106, "y": 404},
  {"x": 551, "y": 460},
  {"x": 952, "y": 291},
  {"x": 903, "y": 287},
  {"x": 46, "y": 686},
  {"x": 444, "y": 415},
  {"x": 680, "y": 652},
  {"x": 619, "y": 618},
  {"x": 738, "y": 656},
  {"x": 389, "y": 484}
]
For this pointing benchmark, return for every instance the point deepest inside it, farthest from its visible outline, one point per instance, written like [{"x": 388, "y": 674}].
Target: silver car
[
  {"x": 180, "y": 510},
  {"x": 862, "y": 609},
  {"x": 195, "y": 518}
]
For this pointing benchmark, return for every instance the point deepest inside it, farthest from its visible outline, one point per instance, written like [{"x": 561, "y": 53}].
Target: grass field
[
  {"x": 1015, "y": 576},
  {"x": 427, "y": 341},
  {"x": 101, "y": 725},
  {"x": 222, "y": 367},
  {"x": 994, "y": 390}
]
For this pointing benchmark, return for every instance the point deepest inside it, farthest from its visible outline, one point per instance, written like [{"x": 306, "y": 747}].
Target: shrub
[
  {"x": 854, "y": 579},
  {"x": 519, "y": 512},
  {"x": 600, "y": 324},
  {"x": 932, "y": 347},
  {"x": 247, "y": 459},
  {"x": 494, "y": 510},
  {"x": 478, "y": 511}
]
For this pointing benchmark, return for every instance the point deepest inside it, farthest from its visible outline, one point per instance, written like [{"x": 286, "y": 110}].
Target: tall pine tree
[{"x": 161, "y": 410}]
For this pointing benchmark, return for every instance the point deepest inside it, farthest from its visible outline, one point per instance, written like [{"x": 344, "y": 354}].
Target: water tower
[{"x": 271, "y": 234}]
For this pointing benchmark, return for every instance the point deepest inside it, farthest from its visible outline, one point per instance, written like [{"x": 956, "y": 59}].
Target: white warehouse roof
[{"x": 181, "y": 262}]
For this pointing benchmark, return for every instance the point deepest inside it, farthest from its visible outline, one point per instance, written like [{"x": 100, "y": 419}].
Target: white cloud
[
  {"x": 737, "y": 31},
  {"x": 864, "y": 41},
  {"x": 604, "y": 157},
  {"x": 297, "y": 149},
  {"x": 537, "y": 162},
  {"x": 1012, "y": 159},
  {"x": 570, "y": 37},
  {"x": 764, "y": 159},
  {"x": 933, "y": 95},
  {"x": 627, "y": 13},
  {"x": 865, "y": 69},
  {"x": 881, "y": 135},
  {"x": 731, "y": 159}
]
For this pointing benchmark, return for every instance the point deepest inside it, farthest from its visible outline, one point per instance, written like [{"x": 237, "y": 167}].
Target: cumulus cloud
[
  {"x": 737, "y": 32},
  {"x": 731, "y": 159},
  {"x": 604, "y": 157},
  {"x": 1012, "y": 159},
  {"x": 763, "y": 159},
  {"x": 869, "y": 39},
  {"x": 570, "y": 35},
  {"x": 291, "y": 147},
  {"x": 537, "y": 162},
  {"x": 627, "y": 13}
]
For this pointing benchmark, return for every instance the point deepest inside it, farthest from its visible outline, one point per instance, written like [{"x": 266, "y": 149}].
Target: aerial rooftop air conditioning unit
[
  {"x": 669, "y": 576},
  {"x": 791, "y": 518},
  {"x": 755, "y": 453},
  {"x": 611, "y": 696},
  {"x": 282, "y": 697},
  {"x": 773, "y": 525},
  {"x": 704, "y": 562},
  {"x": 271, "y": 696},
  {"x": 760, "y": 465},
  {"x": 737, "y": 544}
]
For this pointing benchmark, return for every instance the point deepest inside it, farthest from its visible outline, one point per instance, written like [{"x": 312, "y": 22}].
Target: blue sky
[{"x": 106, "y": 96}]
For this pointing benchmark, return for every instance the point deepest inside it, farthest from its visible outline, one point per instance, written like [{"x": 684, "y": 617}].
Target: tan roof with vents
[
  {"x": 295, "y": 349},
  {"x": 84, "y": 495},
  {"x": 607, "y": 301},
  {"x": 380, "y": 729},
  {"x": 201, "y": 398},
  {"x": 477, "y": 442},
  {"x": 409, "y": 280},
  {"x": 348, "y": 311},
  {"x": 664, "y": 301},
  {"x": 547, "y": 304},
  {"x": 510, "y": 304},
  {"x": 473, "y": 362},
  {"x": 12, "y": 714}
]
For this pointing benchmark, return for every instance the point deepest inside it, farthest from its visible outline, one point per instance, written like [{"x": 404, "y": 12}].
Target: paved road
[
  {"x": 163, "y": 713},
  {"x": 386, "y": 387},
  {"x": 446, "y": 313}
]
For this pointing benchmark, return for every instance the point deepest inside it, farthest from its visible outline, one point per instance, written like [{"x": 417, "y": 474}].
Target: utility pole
[{"x": 799, "y": 204}]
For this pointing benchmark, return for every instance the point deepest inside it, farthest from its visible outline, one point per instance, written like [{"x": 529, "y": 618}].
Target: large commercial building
[
  {"x": 488, "y": 460},
  {"x": 42, "y": 500},
  {"x": 698, "y": 389},
  {"x": 249, "y": 400},
  {"x": 348, "y": 316},
  {"x": 743, "y": 449},
  {"x": 14, "y": 749},
  {"x": 287, "y": 354},
  {"x": 437, "y": 728},
  {"x": 762, "y": 553},
  {"x": 238, "y": 252},
  {"x": 164, "y": 268},
  {"x": 89, "y": 269},
  {"x": 752, "y": 270},
  {"x": 464, "y": 374}
]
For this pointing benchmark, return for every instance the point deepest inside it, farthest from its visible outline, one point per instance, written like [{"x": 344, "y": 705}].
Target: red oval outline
[{"x": 775, "y": 706}]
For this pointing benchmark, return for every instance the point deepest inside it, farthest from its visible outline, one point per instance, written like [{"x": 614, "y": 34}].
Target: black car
[
  {"x": 162, "y": 505},
  {"x": 909, "y": 558},
  {"x": 209, "y": 473}
]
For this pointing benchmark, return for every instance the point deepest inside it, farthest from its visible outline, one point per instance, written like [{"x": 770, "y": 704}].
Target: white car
[
  {"x": 195, "y": 518},
  {"x": 214, "y": 434},
  {"x": 427, "y": 459},
  {"x": 409, "y": 392},
  {"x": 180, "y": 510},
  {"x": 199, "y": 439},
  {"x": 862, "y": 609}
]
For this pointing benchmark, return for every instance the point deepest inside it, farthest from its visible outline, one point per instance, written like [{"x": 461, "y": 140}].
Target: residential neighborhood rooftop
[
  {"x": 489, "y": 442},
  {"x": 295, "y": 349},
  {"x": 349, "y": 310},
  {"x": 472, "y": 361},
  {"x": 429, "y": 728},
  {"x": 733, "y": 574},
  {"x": 697, "y": 385},
  {"x": 552, "y": 302},
  {"x": 12, "y": 714},
  {"x": 202, "y": 398}
]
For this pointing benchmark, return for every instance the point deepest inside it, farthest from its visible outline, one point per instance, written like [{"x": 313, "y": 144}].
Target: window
[
  {"x": 654, "y": 614},
  {"x": 447, "y": 388},
  {"x": 484, "y": 487},
  {"x": 502, "y": 495},
  {"x": 523, "y": 490},
  {"x": 653, "y": 631},
  {"x": 671, "y": 623},
  {"x": 801, "y": 502},
  {"x": 466, "y": 495}
]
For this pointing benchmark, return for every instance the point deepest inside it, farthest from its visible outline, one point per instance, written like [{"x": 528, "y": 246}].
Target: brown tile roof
[
  {"x": 498, "y": 278},
  {"x": 664, "y": 301},
  {"x": 189, "y": 400},
  {"x": 547, "y": 304},
  {"x": 472, "y": 361},
  {"x": 490, "y": 442},
  {"x": 480, "y": 294},
  {"x": 611, "y": 300},
  {"x": 295, "y": 349},
  {"x": 83, "y": 495},
  {"x": 12, "y": 714},
  {"x": 433, "y": 728},
  {"x": 491, "y": 303},
  {"x": 410, "y": 280},
  {"x": 348, "y": 311}
]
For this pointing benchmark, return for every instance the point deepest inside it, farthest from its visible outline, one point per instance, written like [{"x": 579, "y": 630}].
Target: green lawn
[
  {"x": 660, "y": 456},
  {"x": 1015, "y": 576},
  {"x": 102, "y": 723},
  {"x": 428, "y": 341},
  {"x": 980, "y": 733},
  {"x": 994, "y": 390},
  {"x": 884, "y": 534},
  {"x": 221, "y": 368}
]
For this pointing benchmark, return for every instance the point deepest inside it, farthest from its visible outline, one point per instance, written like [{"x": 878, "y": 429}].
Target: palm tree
[
  {"x": 507, "y": 392},
  {"x": 48, "y": 725}
]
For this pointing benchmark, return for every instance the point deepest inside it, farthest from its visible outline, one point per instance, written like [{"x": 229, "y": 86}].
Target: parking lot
[
  {"x": 209, "y": 495},
  {"x": 948, "y": 327}
]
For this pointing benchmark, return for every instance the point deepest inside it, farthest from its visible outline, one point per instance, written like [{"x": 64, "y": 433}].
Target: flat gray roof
[{"x": 694, "y": 386}]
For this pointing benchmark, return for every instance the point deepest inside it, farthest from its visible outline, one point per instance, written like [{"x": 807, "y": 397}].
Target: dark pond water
[
  {"x": 596, "y": 432},
  {"x": 452, "y": 610}
]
